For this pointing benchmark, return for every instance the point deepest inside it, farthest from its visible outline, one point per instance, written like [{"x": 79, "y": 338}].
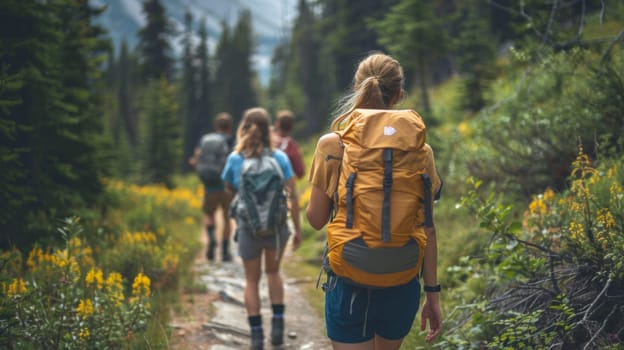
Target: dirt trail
[{"x": 217, "y": 320}]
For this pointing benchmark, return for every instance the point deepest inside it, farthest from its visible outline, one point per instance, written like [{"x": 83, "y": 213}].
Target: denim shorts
[{"x": 355, "y": 314}]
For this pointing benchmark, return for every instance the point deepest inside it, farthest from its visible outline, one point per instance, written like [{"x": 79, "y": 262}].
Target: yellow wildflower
[
  {"x": 61, "y": 259},
  {"x": 141, "y": 285},
  {"x": 605, "y": 218},
  {"x": 115, "y": 288},
  {"x": 84, "y": 333},
  {"x": 578, "y": 187},
  {"x": 577, "y": 207},
  {"x": 85, "y": 307},
  {"x": 170, "y": 261},
  {"x": 34, "y": 258},
  {"x": 464, "y": 129},
  {"x": 615, "y": 189},
  {"x": 576, "y": 229},
  {"x": 538, "y": 206},
  {"x": 17, "y": 286},
  {"x": 95, "y": 277},
  {"x": 549, "y": 194},
  {"x": 86, "y": 257},
  {"x": 12, "y": 260},
  {"x": 114, "y": 280}
]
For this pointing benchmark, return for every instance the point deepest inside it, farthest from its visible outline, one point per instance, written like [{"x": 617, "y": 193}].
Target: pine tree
[
  {"x": 154, "y": 42},
  {"x": 126, "y": 94},
  {"x": 243, "y": 93},
  {"x": 122, "y": 116},
  {"x": 415, "y": 34},
  {"x": 347, "y": 38},
  {"x": 204, "y": 111},
  {"x": 224, "y": 63},
  {"x": 475, "y": 54},
  {"x": 188, "y": 105},
  {"x": 306, "y": 46},
  {"x": 160, "y": 130},
  {"x": 235, "y": 77},
  {"x": 51, "y": 54}
]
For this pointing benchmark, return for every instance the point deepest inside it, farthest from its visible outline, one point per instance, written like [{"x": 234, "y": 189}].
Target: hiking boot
[
  {"x": 257, "y": 339},
  {"x": 277, "y": 330},
  {"x": 210, "y": 252},
  {"x": 226, "y": 256}
]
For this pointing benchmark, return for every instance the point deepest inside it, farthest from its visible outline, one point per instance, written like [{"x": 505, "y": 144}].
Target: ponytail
[
  {"x": 253, "y": 133},
  {"x": 378, "y": 84}
]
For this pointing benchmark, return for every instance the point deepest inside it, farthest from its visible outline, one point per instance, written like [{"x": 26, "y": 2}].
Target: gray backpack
[
  {"x": 260, "y": 205},
  {"x": 213, "y": 152}
]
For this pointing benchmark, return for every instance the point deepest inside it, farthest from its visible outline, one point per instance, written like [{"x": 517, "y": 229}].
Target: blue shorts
[{"x": 356, "y": 314}]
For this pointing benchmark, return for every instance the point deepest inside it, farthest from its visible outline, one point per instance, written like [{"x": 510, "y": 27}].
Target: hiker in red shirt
[{"x": 282, "y": 129}]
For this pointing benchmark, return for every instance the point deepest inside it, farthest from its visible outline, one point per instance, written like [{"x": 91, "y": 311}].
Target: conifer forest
[{"x": 100, "y": 211}]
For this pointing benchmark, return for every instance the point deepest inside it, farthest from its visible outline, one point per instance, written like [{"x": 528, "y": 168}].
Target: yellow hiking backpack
[{"x": 384, "y": 198}]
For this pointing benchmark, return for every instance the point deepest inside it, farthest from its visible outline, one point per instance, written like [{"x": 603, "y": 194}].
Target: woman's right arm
[
  {"x": 323, "y": 175},
  {"x": 318, "y": 208}
]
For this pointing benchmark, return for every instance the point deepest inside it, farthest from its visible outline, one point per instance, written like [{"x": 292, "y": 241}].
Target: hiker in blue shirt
[{"x": 254, "y": 141}]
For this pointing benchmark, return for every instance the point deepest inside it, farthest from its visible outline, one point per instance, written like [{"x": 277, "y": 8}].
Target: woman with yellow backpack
[{"x": 374, "y": 181}]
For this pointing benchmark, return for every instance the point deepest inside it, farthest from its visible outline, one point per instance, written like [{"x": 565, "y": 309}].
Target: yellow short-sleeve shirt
[{"x": 325, "y": 168}]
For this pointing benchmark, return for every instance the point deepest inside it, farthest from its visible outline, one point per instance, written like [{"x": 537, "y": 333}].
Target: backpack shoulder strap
[
  {"x": 334, "y": 199},
  {"x": 387, "y": 189},
  {"x": 428, "y": 200}
]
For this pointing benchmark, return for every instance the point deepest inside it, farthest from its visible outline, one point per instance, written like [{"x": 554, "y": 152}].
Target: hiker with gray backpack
[
  {"x": 208, "y": 160},
  {"x": 262, "y": 178}
]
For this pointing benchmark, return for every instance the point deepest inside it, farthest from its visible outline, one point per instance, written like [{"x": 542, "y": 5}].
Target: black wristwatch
[{"x": 432, "y": 289}]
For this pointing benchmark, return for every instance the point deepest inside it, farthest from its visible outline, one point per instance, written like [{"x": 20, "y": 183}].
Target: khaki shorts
[{"x": 216, "y": 199}]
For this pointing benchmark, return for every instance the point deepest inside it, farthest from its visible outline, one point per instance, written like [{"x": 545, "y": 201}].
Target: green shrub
[
  {"x": 525, "y": 143},
  {"x": 554, "y": 275},
  {"x": 63, "y": 300}
]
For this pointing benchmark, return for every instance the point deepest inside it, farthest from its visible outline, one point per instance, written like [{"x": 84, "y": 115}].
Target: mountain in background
[{"x": 272, "y": 21}]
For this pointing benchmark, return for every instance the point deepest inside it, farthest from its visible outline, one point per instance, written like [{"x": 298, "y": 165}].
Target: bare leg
[
  {"x": 387, "y": 344},
  {"x": 226, "y": 224},
  {"x": 274, "y": 278},
  {"x": 252, "y": 281},
  {"x": 368, "y": 345},
  {"x": 276, "y": 294}
]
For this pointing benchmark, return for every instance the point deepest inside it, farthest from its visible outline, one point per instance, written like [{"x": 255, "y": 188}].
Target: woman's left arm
[
  {"x": 431, "y": 310},
  {"x": 293, "y": 198}
]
